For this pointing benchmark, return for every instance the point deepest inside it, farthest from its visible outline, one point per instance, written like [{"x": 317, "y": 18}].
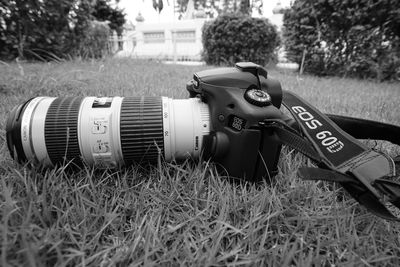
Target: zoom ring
[
  {"x": 141, "y": 129},
  {"x": 61, "y": 130}
]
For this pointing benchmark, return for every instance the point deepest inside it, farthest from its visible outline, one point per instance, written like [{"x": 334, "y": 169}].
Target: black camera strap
[
  {"x": 340, "y": 157},
  {"x": 367, "y": 129}
]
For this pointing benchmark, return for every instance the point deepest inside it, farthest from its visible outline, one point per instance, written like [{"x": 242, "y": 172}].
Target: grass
[{"x": 184, "y": 214}]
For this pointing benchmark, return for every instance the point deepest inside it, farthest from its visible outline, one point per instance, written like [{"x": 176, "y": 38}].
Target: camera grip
[
  {"x": 252, "y": 154},
  {"x": 234, "y": 153}
]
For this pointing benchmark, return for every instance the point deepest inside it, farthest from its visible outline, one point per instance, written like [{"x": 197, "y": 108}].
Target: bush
[
  {"x": 233, "y": 38},
  {"x": 347, "y": 38}
]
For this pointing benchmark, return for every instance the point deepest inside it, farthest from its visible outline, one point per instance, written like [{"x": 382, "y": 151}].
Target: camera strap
[{"x": 340, "y": 157}]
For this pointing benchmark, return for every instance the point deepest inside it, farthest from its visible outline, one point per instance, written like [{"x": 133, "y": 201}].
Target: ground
[{"x": 185, "y": 214}]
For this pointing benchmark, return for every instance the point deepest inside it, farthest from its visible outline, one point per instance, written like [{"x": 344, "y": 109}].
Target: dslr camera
[{"x": 220, "y": 121}]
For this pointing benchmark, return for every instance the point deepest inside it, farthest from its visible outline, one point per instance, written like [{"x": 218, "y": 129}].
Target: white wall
[{"x": 171, "y": 40}]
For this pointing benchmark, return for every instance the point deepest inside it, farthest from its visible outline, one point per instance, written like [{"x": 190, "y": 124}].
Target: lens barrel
[
  {"x": 61, "y": 130},
  {"x": 107, "y": 131}
]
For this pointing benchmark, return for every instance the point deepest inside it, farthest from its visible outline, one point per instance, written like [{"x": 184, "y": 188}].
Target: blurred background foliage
[
  {"x": 236, "y": 37},
  {"x": 54, "y": 29},
  {"x": 354, "y": 38}
]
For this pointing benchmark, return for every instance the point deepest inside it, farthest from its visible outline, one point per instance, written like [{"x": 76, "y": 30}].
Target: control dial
[{"x": 257, "y": 97}]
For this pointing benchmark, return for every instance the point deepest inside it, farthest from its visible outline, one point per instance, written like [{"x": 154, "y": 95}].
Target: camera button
[{"x": 257, "y": 97}]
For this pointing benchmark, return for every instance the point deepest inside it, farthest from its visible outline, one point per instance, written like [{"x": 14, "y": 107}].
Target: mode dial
[{"x": 257, "y": 97}]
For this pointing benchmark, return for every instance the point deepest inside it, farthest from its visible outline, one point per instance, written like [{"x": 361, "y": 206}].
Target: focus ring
[
  {"x": 61, "y": 130},
  {"x": 141, "y": 129}
]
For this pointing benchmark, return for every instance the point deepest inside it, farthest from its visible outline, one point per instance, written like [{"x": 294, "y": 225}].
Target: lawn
[{"x": 184, "y": 214}]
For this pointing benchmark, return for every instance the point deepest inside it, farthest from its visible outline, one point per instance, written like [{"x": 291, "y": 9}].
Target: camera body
[{"x": 239, "y": 99}]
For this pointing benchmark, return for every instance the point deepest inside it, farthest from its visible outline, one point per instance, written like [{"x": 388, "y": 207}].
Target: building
[{"x": 175, "y": 40}]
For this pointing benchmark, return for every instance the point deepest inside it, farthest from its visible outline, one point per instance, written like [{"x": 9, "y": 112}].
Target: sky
[{"x": 145, "y": 7}]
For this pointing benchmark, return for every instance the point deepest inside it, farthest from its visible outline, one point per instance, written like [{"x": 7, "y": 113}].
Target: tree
[
  {"x": 355, "y": 38},
  {"x": 35, "y": 28},
  {"x": 103, "y": 11},
  {"x": 51, "y": 29},
  {"x": 244, "y": 7},
  {"x": 158, "y": 5},
  {"x": 183, "y": 5}
]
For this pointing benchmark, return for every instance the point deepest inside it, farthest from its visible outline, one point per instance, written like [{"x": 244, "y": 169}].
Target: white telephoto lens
[{"x": 108, "y": 132}]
